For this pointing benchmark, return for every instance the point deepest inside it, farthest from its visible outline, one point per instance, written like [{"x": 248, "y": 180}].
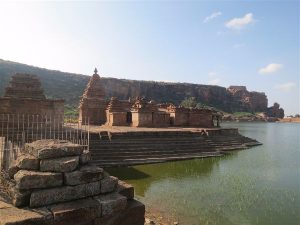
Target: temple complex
[
  {"x": 93, "y": 104},
  {"x": 139, "y": 112},
  {"x": 24, "y": 95}
]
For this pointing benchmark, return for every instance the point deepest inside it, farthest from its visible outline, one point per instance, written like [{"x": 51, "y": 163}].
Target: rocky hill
[{"x": 70, "y": 87}]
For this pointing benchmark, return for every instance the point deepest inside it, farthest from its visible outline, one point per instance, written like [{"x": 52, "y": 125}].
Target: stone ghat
[
  {"x": 126, "y": 148},
  {"x": 53, "y": 183}
]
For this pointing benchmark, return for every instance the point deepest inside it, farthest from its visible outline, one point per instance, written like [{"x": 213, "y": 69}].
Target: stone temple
[
  {"x": 92, "y": 104},
  {"x": 24, "y": 95}
]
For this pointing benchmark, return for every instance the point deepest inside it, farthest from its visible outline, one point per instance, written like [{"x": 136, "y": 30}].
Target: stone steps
[
  {"x": 152, "y": 160},
  {"x": 134, "y": 148}
]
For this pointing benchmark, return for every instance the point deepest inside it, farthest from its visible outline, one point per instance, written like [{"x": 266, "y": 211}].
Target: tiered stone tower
[
  {"x": 24, "y": 86},
  {"x": 25, "y": 96},
  {"x": 93, "y": 104}
]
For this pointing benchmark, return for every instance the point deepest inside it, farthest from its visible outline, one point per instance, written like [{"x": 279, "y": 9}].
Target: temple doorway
[{"x": 129, "y": 117}]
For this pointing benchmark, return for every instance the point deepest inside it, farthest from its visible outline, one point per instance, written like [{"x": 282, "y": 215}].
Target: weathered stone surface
[
  {"x": 125, "y": 189},
  {"x": 108, "y": 184},
  {"x": 275, "y": 111},
  {"x": 76, "y": 212},
  {"x": 86, "y": 174},
  {"x": 4, "y": 205},
  {"x": 20, "y": 197},
  {"x": 111, "y": 203},
  {"x": 13, "y": 170},
  {"x": 26, "y": 179},
  {"x": 15, "y": 216},
  {"x": 45, "y": 149},
  {"x": 85, "y": 157},
  {"x": 28, "y": 162},
  {"x": 63, "y": 194},
  {"x": 65, "y": 164}
]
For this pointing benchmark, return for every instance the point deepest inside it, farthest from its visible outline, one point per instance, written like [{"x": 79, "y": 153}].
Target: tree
[{"x": 189, "y": 102}]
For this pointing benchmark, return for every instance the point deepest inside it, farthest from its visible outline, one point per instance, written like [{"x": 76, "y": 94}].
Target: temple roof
[
  {"x": 94, "y": 88},
  {"x": 24, "y": 85}
]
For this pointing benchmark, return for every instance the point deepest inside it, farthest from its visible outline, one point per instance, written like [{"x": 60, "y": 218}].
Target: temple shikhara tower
[
  {"x": 24, "y": 96},
  {"x": 93, "y": 104}
]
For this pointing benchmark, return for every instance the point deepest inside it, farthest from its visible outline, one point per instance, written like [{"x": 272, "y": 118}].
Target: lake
[{"x": 258, "y": 186}]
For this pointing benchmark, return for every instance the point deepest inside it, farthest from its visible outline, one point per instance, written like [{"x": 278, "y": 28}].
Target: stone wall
[
  {"x": 54, "y": 183},
  {"x": 31, "y": 106}
]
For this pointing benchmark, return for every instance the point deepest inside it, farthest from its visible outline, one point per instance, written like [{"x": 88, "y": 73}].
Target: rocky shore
[{"x": 248, "y": 117}]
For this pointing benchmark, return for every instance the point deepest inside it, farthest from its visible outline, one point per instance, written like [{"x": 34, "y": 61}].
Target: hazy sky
[{"x": 251, "y": 43}]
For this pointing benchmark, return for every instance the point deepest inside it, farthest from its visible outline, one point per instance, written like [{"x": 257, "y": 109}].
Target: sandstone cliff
[{"x": 71, "y": 86}]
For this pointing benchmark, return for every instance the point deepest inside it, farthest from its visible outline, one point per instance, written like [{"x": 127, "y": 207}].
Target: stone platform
[
  {"x": 126, "y": 146},
  {"x": 52, "y": 182}
]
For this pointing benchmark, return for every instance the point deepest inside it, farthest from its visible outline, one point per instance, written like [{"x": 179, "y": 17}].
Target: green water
[{"x": 256, "y": 186}]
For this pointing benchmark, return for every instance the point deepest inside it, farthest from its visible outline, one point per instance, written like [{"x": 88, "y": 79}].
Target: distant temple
[
  {"x": 24, "y": 95},
  {"x": 139, "y": 112},
  {"x": 93, "y": 104}
]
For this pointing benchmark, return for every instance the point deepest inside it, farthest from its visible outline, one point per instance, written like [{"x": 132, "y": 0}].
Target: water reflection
[
  {"x": 143, "y": 176},
  {"x": 259, "y": 186}
]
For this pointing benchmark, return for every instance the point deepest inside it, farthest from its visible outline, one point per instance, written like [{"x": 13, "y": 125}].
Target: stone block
[
  {"x": 125, "y": 189},
  {"x": 133, "y": 214},
  {"x": 86, "y": 174},
  {"x": 28, "y": 162},
  {"x": 15, "y": 216},
  {"x": 45, "y": 149},
  {"x": 76, "y": 212},
  {"x": 26, "y": 179},
  {"x": 20, "y": 198},
  {"x": 4, "y": 205},
  {"x": 65, "y": 164},
  {"x": 108, "y": 184},
  {"x": 63, "y": 194},
  {"x": 12, "y": 171},
  {"x": 111, "y": 203},
  {"x": 85, "y": 157}
]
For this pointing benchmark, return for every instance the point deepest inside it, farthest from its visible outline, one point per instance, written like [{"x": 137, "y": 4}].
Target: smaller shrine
[{"x": 118, "y": 113}]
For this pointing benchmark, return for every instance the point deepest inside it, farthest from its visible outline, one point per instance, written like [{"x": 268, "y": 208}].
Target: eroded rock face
[
  {"x": 275, "y": 111},
  {"x": 232, "y": 99}
]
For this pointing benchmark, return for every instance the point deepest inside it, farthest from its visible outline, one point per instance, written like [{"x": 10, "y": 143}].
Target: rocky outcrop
[
  {"x": 275, "y": 111},
  {"x": 232, "y": 99}
]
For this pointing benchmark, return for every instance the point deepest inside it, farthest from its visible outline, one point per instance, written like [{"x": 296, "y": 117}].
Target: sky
[{"x": 250, "y": 43}]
